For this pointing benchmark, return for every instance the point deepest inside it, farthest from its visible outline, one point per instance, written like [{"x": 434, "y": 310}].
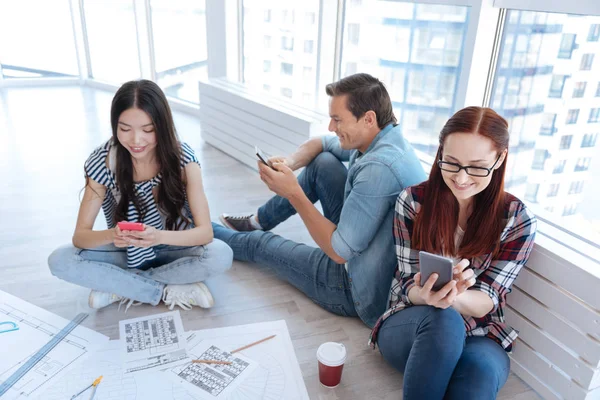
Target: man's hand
[
  {"x": 280, "y": 160},
  {"x": 280, "y": 179}
]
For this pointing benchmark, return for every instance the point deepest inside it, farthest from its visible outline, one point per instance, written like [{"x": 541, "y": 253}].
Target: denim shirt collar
[{"x": 382, "y": 133}]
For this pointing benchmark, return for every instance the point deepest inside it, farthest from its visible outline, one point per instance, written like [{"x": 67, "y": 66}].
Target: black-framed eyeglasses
[{"x": 480, "y": 172}]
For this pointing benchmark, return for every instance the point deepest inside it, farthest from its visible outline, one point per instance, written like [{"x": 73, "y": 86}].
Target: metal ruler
[{"x": 37, "y": 357}]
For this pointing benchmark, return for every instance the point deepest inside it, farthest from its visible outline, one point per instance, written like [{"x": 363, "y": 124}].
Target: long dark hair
[
  {"x": 148, "y": 97},
  {"x": 436, "y": 222}
]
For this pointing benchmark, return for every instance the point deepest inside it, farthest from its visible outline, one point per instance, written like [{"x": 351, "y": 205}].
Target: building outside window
[
  {"x": 583, "y": 164},
  {"x": 553, "y": 190},
  {"x": 594, "y": 115},
  {"x": 586, "y": 62},
  {"x": 178, "y": 69},
  {"x": 594, "y": 34},
  {"x": 287, "y": 69},
  {"x": 537, "y": 50},
  {"x": 539, "y": 159},
  {"x": 292, "y": 32},
  {"x": 572, "y": 116},
  {"x": 576, "y": 187},
  {"x": 557, "y": 85},
  {"x": 567, "y": 45},
  {"x": 589, "y": 140},
  {"x": 559, "y": 167},
  {"x": 579, "y": 89},
  {"x": 548, "y": 121},
  {"x": 565, "y": 142}
]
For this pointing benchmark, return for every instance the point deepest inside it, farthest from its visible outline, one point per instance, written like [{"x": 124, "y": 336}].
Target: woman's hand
[
  {"x": 149, "y": 237},
  {"x": 465, "y": 277},
  {"x": 442, "y": 298},
  {"x": 119, "y": 239}
]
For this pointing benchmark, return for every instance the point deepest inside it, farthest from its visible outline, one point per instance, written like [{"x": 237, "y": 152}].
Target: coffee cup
[{"x": 331, "y": 357}]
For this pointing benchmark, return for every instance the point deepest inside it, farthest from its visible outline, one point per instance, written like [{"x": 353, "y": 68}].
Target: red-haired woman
[{"x": 452, "y": 343}]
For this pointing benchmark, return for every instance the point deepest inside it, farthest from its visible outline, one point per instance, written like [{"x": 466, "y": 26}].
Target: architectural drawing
[
  {"x": 211, "y": 381},
  {"x": 153, "y": 342},
  {"x": 116, "y": 384},
  {"x": 36, "y": 328},
  {"x": 278, "y": 375}
]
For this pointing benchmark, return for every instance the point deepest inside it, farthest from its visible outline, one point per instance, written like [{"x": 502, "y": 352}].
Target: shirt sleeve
[
  {"x": 408, "y": 258},
  {"x": 331, "y": 144},
  {"x": 95, "y": 166},
  {"x": 515, "y": 248},
  {"x": 374, "y": 189},
  {"x": 188, "y": 155}
]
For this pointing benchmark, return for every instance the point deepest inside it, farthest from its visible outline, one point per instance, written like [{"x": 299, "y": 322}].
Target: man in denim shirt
[{"x": 351, "y": 270}]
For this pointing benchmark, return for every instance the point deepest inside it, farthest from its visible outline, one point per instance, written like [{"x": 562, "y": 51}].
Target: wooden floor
[{"x": 45, "y": 136}]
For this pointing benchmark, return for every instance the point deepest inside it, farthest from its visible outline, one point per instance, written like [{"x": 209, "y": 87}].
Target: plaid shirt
[{"x": 494, "y": 276}]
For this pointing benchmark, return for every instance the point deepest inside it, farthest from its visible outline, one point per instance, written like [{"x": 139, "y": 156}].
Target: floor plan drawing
[
  {"x": 115, "y": 384},
  {"x": 36, "y": 327},
  {"x": 153, "y": 342},
  {"x": 277, "y": 376}
]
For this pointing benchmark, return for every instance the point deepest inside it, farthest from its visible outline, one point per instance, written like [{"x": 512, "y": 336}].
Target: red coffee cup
[{"x": 331, "y": 357}]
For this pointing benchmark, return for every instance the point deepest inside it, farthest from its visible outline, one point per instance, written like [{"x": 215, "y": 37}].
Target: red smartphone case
[{"x": 130, "y": 226}]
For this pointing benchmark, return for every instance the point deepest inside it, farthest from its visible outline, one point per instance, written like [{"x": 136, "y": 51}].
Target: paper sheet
[
  {"x": 211, "y": 381},
  {"x": 153, "y": 342},
  {"x": 36, "y": 327},
  {"x": 278, "y": 375},
  {"x": 116, "y": 384}
]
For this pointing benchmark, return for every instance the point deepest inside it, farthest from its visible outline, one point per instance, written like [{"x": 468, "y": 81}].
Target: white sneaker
[
  {"x": 99, "y": 299},
  {"x": 186, "y": 296}
]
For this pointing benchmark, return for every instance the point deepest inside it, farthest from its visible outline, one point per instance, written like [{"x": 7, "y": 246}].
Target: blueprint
[
  {"x": 212, "y": 381},
  {"x": 35, "y": 328},
  {"x": 115, "y": 384},
  {"x": 153, "y": 342},
  {"x": 278, "y": 375}
]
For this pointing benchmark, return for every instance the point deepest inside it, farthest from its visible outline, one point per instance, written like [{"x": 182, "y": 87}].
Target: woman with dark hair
[
  {"x": 452, "y": 343},
  {"x": 143, "y": 174}
]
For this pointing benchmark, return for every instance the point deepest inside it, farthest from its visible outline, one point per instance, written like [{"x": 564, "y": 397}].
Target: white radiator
[
  {"x": 234, "y": 119},
  {"x": 555, "y": 307}
]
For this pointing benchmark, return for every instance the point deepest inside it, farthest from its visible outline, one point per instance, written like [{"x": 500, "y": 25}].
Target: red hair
[{"x": 436, "y": 222}]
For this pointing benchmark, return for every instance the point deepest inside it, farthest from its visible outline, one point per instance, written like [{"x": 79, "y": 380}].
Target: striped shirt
[
  {"x": 100, "y": 166},
  {"x": 493, "y": 276}
]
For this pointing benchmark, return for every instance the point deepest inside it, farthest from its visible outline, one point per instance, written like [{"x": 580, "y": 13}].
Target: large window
[
  {"x": 284, "y": 35},
  {"x": 538, "y": 52},
  {"x": 112, "y": 38},
  {"x": 416, "y": 50},
  {"x": 37, "y": 43},
  {"x": 179, "y": 35}
]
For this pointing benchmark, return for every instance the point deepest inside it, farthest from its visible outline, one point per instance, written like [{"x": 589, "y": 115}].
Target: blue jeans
[
  {"x": 105, "y": 269},
  {"x": 428, "y": 346},
  {"x": 307, "y": 268}
]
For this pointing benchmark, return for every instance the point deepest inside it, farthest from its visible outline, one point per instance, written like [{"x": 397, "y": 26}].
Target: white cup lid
[{"x": 331, "y": 354}]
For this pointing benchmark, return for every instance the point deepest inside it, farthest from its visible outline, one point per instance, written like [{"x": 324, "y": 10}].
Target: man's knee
[
  {"x": 325, "y": 161},
  {"x": 59, "y": 260}
]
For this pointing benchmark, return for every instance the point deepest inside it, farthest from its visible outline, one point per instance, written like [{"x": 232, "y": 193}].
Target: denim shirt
[{"x": 364, "y": 235}]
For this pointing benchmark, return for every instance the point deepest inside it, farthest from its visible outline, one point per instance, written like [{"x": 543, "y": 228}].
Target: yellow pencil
[{"x": 253, "y": 344}]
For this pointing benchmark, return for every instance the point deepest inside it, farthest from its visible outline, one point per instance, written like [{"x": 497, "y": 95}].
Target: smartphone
[
  {"x": 261, "y": 156},
  {"x": 432, "y": 263},
  {"x": 130, "y": 226}
]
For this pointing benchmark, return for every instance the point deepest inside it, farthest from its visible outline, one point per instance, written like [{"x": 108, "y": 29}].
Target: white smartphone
[
  {"x": 432, "y": 263},
  {"x": 261, "y": 156}
]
